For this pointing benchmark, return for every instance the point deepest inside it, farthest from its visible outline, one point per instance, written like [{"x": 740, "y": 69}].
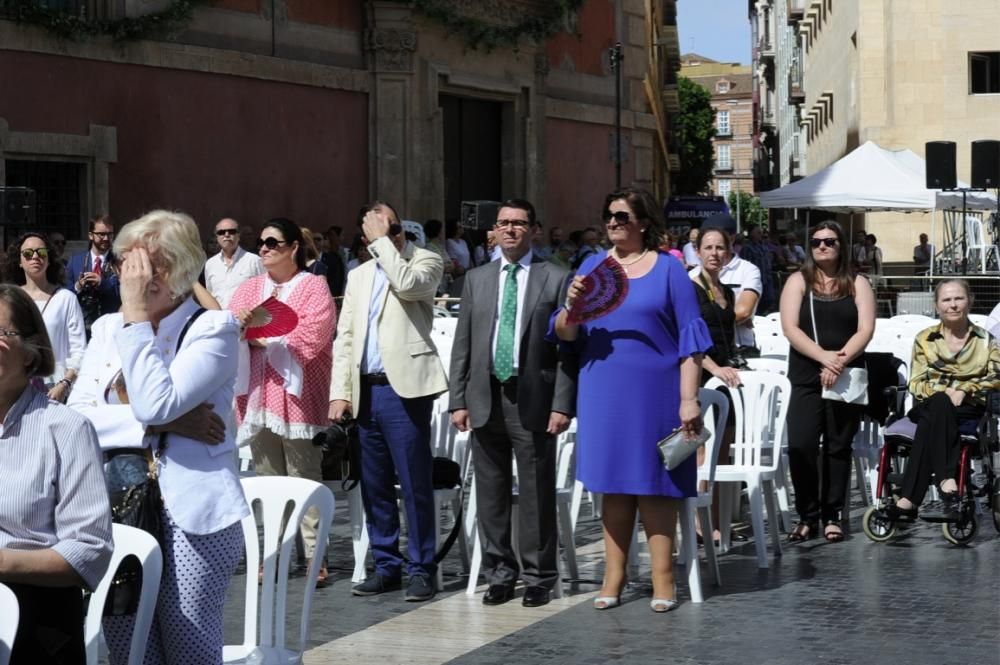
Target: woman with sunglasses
[
  {"x": 825, "y": 298},
  {"x": 649, "y": 349},
  {"x": 283, "y": 388},
  {"x": 29, "y": 266}
]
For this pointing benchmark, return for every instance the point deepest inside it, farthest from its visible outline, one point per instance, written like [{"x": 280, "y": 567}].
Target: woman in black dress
[
  {"x": 843, "y": 305},
  {"x": 716, "y": 301}
]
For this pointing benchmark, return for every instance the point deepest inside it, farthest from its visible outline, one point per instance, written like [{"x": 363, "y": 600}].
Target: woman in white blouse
[
  {"x": 28, "y": 266},
  {"x": 177, "y": 364}
]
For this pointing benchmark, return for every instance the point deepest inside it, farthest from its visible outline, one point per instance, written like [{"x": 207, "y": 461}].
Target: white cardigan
[
  {"x": 200, "y": 486},
  {"x": 64, "y": 323}
]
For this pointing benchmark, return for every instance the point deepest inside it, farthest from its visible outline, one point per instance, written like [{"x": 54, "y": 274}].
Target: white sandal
[
  {"x": 661, "y": 605},
  {"x": 607, "y": 602}
]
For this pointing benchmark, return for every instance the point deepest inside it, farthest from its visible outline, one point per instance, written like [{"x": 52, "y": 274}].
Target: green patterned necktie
[{"x": 503, "y": 358}]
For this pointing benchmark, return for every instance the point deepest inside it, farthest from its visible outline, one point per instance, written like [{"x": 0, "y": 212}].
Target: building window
[
  {"x": 722, "y": 87},
  {"x": 984, "y": 73},
  {"x": 725, "y": 186},
  {"x": 722, "y": 128},
  {"x": 59, "y": 194},
  {"x": 722, "y": 161}
]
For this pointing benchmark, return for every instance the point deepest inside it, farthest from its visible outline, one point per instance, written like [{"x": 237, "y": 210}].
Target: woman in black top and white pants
[{"x": 843, "y": 305}]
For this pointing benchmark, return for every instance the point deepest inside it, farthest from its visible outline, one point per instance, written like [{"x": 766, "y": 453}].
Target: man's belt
[{"x": 377, "y": 379}]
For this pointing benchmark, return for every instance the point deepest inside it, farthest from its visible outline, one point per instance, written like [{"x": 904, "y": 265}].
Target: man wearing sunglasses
[
  {"x": 232, "y": 266},
  {"x": 387, "y": 373},
  {"x": 92, "y": 276}
]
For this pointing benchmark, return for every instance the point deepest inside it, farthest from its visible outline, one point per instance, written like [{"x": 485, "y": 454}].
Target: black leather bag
[{"x": 445, "y": 473}]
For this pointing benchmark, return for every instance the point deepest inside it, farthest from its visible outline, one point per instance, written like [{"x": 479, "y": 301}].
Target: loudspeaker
[
  {"x": 986, "y": 164},
  {"x": 940, "y": 165},
  {"x": 17, "y": 206},
  {"x": 479, "y": 215}
]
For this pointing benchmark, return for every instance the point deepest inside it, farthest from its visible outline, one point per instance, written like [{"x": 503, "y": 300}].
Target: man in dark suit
[
  {"x": 92, "y": 274},
  {"x": 517, "y": 392},
  {"x": 336, "y": 266}
]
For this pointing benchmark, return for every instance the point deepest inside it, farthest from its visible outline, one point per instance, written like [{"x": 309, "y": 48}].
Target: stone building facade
[
  {"x": 259, "y": 108},
  {"x": 731, "y": 86}
]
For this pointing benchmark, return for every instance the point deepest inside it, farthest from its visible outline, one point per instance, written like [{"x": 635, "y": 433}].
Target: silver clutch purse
[{"x": 676, "y": 447}]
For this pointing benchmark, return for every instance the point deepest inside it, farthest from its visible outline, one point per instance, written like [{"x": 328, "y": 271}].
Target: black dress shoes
[
  {"x": 535, "y": 596},
  {"x": 498, "y": 594}
]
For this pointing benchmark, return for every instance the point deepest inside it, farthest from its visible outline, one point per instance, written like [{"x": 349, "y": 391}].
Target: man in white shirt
[
  {"x": 743, "y": 277},
  {"x": 233, "y": 265}
]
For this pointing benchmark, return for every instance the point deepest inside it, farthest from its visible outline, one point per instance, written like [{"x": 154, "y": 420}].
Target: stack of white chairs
[
  {"x": 761, "y": 408},
  {"x": 128, "y": 542},
  {"x": 281, "y": 502},
  {"x": 10, "y": 613},
  {"x": 714, "y": 412},
  {"x": 783, "y": 479}
]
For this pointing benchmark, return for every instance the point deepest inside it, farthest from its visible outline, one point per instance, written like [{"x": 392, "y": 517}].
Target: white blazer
[{"x": 200, "y": 486}]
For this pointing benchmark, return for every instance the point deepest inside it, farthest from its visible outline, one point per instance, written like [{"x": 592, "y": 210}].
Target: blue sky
[{"x": 717, "y": 29}]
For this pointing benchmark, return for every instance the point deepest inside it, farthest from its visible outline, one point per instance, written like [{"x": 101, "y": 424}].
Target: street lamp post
[{"x": 617, "y": 56}]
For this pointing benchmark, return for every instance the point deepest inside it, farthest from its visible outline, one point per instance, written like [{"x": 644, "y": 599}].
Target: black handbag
[{"x": 133, "y": 486}]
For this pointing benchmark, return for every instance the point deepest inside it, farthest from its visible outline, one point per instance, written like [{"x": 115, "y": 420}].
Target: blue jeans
[{"x": 395, "y": 444}]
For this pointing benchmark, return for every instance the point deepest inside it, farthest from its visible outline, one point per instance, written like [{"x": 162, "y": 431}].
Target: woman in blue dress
[{"x": 640, "y": 367}]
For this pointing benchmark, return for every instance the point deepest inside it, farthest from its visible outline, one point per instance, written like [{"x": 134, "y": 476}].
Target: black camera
[{"x": 335, "y": 438}]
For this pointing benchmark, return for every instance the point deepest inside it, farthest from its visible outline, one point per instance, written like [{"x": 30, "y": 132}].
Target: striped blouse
[
  {"x": 52, "y": 477},
  {"x": 974, "y": 370}
]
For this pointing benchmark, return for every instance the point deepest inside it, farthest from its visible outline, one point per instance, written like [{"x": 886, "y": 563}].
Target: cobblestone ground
[{"x": 912, "y": 601}]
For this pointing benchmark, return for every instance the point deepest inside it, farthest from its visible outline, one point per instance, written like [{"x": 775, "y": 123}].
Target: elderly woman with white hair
[{"x": 158, "y": 377}]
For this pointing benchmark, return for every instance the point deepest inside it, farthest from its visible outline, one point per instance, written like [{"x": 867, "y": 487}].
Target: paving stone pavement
[{"x": 913, "y": 601}]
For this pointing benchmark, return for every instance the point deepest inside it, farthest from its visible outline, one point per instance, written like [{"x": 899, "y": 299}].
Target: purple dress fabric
[{"x": 629, "y": 386}]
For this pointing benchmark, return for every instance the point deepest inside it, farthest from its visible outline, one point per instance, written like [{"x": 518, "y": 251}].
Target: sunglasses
[
  {"x": 621, "y": 217},
  {"x": 270, "y": 243},
  {"x": 40, "y": 252},
  {"x": 227, "y": 232},
  {"x": 816, "y": 242}
]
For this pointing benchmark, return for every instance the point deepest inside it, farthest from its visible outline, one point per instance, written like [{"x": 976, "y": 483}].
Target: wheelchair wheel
[
  {"x": 961, "y": 532},
  {"x": 995, "y": 504},
  {"x": 877, "y": 526}
]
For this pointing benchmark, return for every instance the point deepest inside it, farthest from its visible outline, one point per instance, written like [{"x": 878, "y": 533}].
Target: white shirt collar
[{"x": 524, "y": 262}]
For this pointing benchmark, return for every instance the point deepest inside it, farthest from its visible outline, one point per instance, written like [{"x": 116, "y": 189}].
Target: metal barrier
[{"x": 915, "y": 294}]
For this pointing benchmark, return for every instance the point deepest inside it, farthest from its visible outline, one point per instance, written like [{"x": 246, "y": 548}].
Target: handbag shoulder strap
[
  {"x": 46, "y": 306},
  {"x": 812, "y": 315},
  {"x": 162, "y": 443}
]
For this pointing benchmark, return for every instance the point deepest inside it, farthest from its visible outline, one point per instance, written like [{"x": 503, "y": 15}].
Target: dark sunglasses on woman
[
  {"x": 270, "y": 243},
  {"x": 42, "y": 253},
  {"x": 816, "y": 242}
]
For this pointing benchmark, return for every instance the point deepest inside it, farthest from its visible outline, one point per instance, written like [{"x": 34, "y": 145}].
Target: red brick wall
[
  {"x": 210, "y": 145},
  {"x": 580, "y": 172},
  {"x": 347, "y": 14},
  {"x": 584, "y": 52}
]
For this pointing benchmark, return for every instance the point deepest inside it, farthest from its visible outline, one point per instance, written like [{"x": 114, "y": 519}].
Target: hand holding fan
[
  {"x": 271, "y": 318},
  {"x": 605, "y": 288}
]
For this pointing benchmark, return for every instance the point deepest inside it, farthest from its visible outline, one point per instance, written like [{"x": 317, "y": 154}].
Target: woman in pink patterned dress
[{"x": 283, "y": 386}]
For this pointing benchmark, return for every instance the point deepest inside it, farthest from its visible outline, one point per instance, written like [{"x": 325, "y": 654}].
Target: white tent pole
[{"x": 930, "y": 270}]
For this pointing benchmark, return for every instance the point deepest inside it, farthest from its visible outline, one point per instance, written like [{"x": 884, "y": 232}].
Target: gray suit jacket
[{"x": 546, "y": 377}]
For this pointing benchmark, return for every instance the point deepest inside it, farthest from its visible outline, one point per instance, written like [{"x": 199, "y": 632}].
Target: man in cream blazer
[{"x": 387, "y": 373}]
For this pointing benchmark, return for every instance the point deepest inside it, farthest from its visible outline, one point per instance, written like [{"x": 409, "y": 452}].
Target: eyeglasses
[
  {"x": 9, "y": 333},
  {"x": 41, "y": 252},
  {"x": 102, "y": 234},
  {"x": 227, "y": 232},
  {"x": 518, "y": 224},
  {"x": 270, "y": 243},
  {"x": 621, "y": 217},
  {"x": 816, "y": 242}
]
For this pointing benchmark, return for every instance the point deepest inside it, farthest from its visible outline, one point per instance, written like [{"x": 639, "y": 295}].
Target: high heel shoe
[
  {"x": 661, "y": 605},
  {"x": 607, "y": 602}
]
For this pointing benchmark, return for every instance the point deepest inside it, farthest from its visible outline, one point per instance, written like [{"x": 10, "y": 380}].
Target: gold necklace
[{"x": 632, "y": 262}]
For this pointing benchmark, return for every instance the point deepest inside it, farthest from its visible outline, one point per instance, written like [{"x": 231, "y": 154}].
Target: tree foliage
[
  {"x": 695, "y": 131},
  {"x": 752, "y": 213}
]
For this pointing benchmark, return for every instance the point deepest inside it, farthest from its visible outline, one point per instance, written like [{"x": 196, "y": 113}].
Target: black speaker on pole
[
  {"x": 940, "y": 165},
  {"x": 986, "y": 164}
]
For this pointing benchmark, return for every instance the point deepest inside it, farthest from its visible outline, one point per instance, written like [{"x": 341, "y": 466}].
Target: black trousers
[
  {"x": 535, "y": 452},
  {"x": 50, "y": 629},
  {"x": 820, "y": 494},
  {"x": 936, "y": 445}
]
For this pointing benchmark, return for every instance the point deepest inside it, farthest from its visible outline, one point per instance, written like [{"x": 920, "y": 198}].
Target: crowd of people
[{"x": 136, "y": 352}]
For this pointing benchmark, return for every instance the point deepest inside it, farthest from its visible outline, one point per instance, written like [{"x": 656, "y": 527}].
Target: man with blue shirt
[{"x": 386, "y": 371}]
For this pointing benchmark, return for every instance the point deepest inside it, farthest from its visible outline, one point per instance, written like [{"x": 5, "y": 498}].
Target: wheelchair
[{"x": 978, "y": 484}]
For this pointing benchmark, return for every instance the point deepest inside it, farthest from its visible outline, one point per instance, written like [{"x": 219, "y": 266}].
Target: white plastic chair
[
  {"x": 776, "y": 365},
  {"x": 980, "y": 320},
  {"x": 714, "y": 412},
  {"x": 143, "y": 546},
  {"x": 274, "y": 495},
  {"x": 761, "y": 407},
  {"x": 978, "y": 248},
  {"x": 910, "y": 320},
  {"x": 10, "y": 614},
  {"x": 773, "y": 345}
]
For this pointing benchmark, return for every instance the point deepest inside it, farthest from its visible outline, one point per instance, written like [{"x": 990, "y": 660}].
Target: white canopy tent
[{"x": 873, "y": 179}]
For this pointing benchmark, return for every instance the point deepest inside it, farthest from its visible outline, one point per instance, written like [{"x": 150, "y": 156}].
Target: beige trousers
[{"x": 298, "y": 458}]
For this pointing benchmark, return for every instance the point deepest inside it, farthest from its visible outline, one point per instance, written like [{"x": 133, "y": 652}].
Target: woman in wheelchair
[{"x": 955, "y": 364}]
